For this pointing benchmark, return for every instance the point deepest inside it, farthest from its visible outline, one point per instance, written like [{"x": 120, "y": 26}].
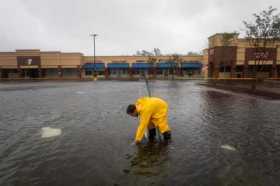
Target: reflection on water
[
  {"x": 150, "y": 160},
  {"x": 218, "y": 137}
]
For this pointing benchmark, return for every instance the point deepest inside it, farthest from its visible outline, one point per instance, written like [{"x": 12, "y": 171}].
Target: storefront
[
  {"x": 191, "y": 69},
  {"x": 90, "y": 69},
  {"x": 166, "y": 68},
  {"x": 118, "y": 70},
  {"x": 141, "y": 69}
]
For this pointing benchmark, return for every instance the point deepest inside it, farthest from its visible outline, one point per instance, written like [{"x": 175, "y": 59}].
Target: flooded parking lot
[{"x": 219, "y": 137}]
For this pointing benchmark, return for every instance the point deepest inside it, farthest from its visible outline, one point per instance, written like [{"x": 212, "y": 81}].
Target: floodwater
[{"x": 219, "y": 138}]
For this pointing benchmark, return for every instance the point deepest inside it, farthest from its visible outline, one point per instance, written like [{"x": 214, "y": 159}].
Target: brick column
[
  {"x": 106, "y": 72},
  {"x": 232, "y": 69},
  {"x": 79, "y": 71},
  {"x": 154, "y": 72},
  {"x": 245, "y": 68},
  {"x": 274, "y": 72},
  {"x": 18, "y": 71},
  {"x": 179, "y": 71},
  {"x": 60, "y": 71},
  {"x": 130, "y": 71},
  {"x": 216, "y": 70},
  {"x": 40, "y": 71}
]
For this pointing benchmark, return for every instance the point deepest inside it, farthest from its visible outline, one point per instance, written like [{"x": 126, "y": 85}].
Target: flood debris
[
  {"x": 48, "y": 132},
  {"x": 228, "y": 147}
]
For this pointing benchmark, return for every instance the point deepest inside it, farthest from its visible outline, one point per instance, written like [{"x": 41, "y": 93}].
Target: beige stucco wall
[
  {"x": 50, "y": 59},
  {"x": 69, "y": 60},
  {"x": 133, "y": 59},
  {"x": 32, "y": 52},
  {"x": 240, "y": 58},
  {"x": 205, "y": 63},
  {"x": 54, "y": 59},
  {"x": 278, "y": 54},
  {"x": 8, "y": 59},
  {"x": 217, "y": 40},
  {"x": 242, "y": 44},
  {"x": 205, "y": 57},
  {"x": 246, "y": 44}
]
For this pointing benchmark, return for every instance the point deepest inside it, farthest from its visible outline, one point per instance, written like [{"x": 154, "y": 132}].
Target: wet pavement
[{"x": 219, "y": 137}]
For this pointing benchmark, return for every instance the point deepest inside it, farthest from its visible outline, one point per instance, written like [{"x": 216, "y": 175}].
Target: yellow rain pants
[{"x": 151, "y": 110}]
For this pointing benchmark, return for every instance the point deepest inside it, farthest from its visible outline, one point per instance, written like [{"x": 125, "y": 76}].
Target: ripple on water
[{"x": 94, "y": 147}]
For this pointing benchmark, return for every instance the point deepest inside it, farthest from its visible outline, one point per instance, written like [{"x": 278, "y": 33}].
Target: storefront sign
[
  {"x": 28, "y": 60},
  {"x": 261, "y": 55}
]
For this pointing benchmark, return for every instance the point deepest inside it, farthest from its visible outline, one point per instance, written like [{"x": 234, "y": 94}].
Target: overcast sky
[{"x": 124, "y": 26}]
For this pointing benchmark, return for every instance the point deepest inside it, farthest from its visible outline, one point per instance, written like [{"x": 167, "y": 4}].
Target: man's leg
[
  {"x": 164, "y": 128},
  {"x": 152, "y": 134},
  {"x": 167, "y": 136}
]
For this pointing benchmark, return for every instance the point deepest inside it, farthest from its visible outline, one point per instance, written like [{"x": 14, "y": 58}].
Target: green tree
[{"x": 263, "y": 31}]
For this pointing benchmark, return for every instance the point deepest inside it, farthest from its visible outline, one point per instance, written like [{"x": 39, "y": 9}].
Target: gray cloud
[{"x": 124, "y": 26}]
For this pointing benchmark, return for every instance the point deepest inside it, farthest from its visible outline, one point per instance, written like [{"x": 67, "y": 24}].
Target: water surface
[{"x": 94, "y": 147}]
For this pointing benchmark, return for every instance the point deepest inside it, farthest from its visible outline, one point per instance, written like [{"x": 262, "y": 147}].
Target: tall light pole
[{"x": 94, "y": 66}]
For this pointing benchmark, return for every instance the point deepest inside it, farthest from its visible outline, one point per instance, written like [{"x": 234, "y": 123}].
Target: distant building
[
  {"x": 27, "y": 64},
  {"x": 236, "y": 58}
]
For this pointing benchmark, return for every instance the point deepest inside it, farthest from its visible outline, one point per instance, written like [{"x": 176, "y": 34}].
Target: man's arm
[{"x": 145, "y": 117}]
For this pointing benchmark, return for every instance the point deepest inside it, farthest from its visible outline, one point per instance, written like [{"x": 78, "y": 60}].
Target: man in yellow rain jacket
[{"x": 153, "y": 113}]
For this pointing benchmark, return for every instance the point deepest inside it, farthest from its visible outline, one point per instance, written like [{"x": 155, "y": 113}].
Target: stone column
[
  {"x": 60, "y": 71},
  {"x": 106, "y": 72},
  {"x": 18, "y": 71},
  {"x": 179, "y": 71},
  {"x": 245, "y": 69},
  {"x": 130, "y": 71},
  {"x": 154, "y": 72},
  {"x": 232, "y": 69},
  {"x": 40, "y": 71},
  {"x": 274, "y": 69},
  {"x": 79, "y": 72}
]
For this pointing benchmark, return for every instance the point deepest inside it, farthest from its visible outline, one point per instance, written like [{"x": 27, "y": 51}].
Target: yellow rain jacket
[{"x": 152, "y": 110}]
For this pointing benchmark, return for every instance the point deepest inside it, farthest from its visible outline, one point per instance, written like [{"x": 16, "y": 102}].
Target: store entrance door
[{"x": 30, "y": 73}]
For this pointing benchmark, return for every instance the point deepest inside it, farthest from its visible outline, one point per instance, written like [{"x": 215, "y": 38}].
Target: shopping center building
[
  {"x": 32, "y": 64},
  {"x": 232, "y": 57},
  {"x": 227, "y": 56}
]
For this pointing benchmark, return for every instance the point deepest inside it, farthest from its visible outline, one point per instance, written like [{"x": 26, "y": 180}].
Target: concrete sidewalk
[{"x": 269, "y": 89}]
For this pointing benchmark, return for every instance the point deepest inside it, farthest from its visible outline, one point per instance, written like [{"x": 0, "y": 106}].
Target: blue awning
[
  {"x": 141, "y": 65},
  {"x": 191, "y": 65},
  {"x": 96, "y": 66},
  {"x": 118, "y": 65},
  {"x": 166, "y": 65}
]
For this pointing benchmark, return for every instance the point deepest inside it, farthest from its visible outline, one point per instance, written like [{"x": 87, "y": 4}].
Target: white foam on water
[
  {"x": 228, "y": 147},
  {"x": 48, "y": 132},
  {"x": 54, "y": 116}
]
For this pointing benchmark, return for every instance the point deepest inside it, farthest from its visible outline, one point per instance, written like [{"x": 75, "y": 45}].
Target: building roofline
[
  {"x": 216, "y": 34},
  {"x": 27, "y": 50}
]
